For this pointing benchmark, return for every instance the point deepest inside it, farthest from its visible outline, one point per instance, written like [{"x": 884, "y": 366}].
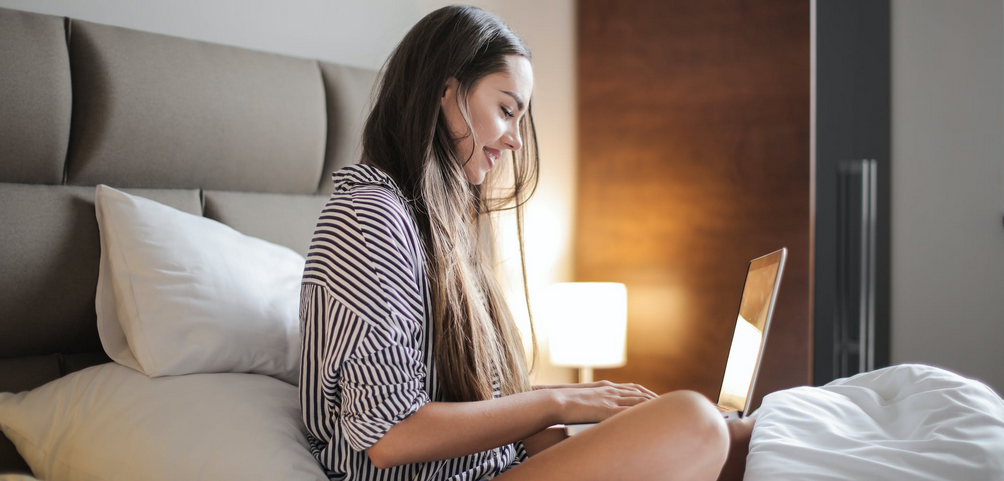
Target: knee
[{"x": 701, "y": 420}]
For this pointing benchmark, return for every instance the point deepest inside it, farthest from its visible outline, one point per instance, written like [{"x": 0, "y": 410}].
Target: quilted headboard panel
[
  {"x": 243, "y": 137},
  {"x": 34, "y": 97},
  {"x": 157, "y": 111}
]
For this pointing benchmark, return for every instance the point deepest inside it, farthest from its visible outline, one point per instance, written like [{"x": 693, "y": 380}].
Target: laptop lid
[{"x": 763, "y": 277}]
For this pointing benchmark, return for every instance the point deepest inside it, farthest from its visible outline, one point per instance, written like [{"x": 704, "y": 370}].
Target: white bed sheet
[{"x": 903, "y": 422}]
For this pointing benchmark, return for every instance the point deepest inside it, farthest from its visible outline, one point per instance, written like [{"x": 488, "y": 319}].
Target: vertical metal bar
[
  {"x": 839, "y": 331},
  {"x": 868, "y": 198},
  {"x": 862, "y": 306},
  {"x": 857, "y": 227},
  {"x": 869, "y": 346}
]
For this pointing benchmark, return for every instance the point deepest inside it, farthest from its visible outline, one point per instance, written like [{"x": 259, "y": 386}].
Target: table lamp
[{"x": 588, "y": 325}]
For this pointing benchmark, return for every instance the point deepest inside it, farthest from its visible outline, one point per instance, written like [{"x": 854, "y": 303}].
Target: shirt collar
[{"x": 362, "y": 174}]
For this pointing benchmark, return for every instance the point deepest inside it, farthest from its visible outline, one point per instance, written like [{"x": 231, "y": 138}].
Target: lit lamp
[{"x": 588, "y": 325}]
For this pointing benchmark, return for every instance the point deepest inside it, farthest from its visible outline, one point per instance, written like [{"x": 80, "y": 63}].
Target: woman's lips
[{"x": 491, "y": 155}]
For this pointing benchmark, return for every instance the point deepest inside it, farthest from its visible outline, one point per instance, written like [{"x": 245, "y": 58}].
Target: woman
[{"x": 412, "y": 366}]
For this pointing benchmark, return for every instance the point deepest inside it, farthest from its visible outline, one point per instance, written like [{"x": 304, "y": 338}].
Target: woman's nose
[{"x": 513, "y": 139}]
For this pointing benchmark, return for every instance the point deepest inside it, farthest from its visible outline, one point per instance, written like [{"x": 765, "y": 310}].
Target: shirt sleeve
[
  {"x": 382, "y": 383},
  {"x": 365, "y": 260},
  {"x": 519, "y": 457}
]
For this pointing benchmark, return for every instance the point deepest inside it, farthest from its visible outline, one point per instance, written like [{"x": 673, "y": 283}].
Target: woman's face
[{"x": 497, "y": 104}]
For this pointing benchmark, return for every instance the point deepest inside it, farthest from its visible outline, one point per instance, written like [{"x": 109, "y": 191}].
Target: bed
[
  {"x": 240, "y": 138},
  {"x": 128, "y": 157}
]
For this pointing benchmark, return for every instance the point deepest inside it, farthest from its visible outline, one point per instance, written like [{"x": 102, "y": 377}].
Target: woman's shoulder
[
  {"x": 366, "y": 217},
  {"x": 367, "y": 188},
  {"x": 355, "y": 177},
  {"x": 369, "y": 196}
]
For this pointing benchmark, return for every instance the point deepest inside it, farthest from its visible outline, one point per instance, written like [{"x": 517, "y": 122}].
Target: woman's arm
[
  {"x": 543, "y": 440},
  {"x": 553, "y": 435},
  {"x": 444, "y": 430},
  {"x": 594, "y": 384}
]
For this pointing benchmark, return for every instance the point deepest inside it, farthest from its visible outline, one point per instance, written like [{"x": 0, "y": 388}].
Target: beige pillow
[{"x": 109, "y": 422}]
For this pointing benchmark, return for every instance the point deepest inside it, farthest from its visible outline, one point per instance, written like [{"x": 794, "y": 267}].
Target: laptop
[{"x": 756, "y": 307}]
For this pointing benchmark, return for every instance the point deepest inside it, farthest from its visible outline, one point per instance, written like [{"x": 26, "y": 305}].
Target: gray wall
[{"x": 948, "y": 186}]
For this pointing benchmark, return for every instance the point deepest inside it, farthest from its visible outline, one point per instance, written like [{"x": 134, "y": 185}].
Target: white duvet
[{"x": 903, "y": 422}]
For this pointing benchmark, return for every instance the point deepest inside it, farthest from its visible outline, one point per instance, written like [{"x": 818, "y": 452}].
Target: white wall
[
  {"x": 948, "y": 186},
  {"x": 363, "y": 33}
]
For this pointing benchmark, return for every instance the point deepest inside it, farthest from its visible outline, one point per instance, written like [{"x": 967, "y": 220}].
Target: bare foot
[{"x": 740, "y": 433}]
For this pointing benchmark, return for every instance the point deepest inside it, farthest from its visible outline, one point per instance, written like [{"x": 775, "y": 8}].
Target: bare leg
[
  {"x": 680, "y": 435},
  {"x": 740, "y": 433}
]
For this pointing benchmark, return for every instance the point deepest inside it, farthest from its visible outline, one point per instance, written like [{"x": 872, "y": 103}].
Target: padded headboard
[{"x": 243, "y": 137}]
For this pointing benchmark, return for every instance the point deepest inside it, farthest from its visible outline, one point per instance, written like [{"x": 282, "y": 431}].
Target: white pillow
[
  {"x": 110, "y": 422},
  {"x": 181, "y": 294},
  {"x": 902, "y": 422}
]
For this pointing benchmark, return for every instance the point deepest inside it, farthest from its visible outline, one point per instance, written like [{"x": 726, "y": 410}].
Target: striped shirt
[{"x": 365, "y": 330}]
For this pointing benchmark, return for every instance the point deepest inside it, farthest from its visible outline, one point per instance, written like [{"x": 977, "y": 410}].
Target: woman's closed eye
[{"x": 506, "y": 111}]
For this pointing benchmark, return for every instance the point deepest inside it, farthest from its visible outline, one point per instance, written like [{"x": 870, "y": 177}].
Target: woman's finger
[
  {"x": 630, "y": 400},
  {"x": 644, "y": 390},
  {"x": 631, "y": 387},
  {"x": 636, "y": 390}
]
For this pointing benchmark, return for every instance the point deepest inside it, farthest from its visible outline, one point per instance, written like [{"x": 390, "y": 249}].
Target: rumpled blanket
[{"x": 906, "y": 422}]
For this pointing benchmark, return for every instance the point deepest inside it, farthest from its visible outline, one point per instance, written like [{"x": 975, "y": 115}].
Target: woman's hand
[
  {"x": 593, "y": 384},
  {"x": 596, "y": 401}
]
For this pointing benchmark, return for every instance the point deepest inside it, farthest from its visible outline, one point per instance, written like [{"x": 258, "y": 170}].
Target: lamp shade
[{"x": 587, "y": 324}]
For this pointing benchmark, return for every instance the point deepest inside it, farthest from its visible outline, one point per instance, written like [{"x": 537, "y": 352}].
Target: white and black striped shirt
[{"x": 365, "y": 328}]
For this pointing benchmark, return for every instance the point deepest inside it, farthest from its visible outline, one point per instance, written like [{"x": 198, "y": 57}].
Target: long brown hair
[{"x": 406, "y": 136}]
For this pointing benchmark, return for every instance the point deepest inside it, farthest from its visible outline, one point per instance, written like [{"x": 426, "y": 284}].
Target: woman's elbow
[
  {"x": 380, "y": 457},
  {"x": 388, "y": 451},
  {"x": 400, "y": 445}
]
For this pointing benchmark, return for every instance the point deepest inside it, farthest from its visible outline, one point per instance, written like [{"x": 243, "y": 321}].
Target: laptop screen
[{"x": 751, "y": 327}]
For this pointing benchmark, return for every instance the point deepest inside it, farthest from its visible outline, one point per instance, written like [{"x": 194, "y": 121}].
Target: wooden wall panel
[{"x": 693, "y": 128}]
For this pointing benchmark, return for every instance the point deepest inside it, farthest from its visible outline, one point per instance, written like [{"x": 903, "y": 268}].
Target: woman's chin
[{"x": 476, "y": 178}]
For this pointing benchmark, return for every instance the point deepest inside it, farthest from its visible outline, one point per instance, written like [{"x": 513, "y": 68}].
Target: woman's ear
[
  {"x": 450, "y": 86},
  {"x": 449, "y": 99}
]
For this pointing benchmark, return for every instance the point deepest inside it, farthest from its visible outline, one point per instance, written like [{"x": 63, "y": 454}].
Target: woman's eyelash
[{"x": 507, "y": 112}]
